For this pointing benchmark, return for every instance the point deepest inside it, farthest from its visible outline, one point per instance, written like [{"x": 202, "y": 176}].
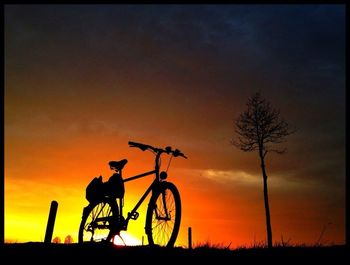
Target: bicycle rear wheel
[
  {"x": 99, "y": 221},
  {"x": 163, "y": 215}
]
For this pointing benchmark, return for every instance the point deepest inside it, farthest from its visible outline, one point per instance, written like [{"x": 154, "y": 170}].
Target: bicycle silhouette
[{"x": 103, "y": 218}]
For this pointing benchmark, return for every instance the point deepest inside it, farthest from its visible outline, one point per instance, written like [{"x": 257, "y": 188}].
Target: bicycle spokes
[
  {"x": 99, "y": 222},
  {"x": 165, "y": 215}
]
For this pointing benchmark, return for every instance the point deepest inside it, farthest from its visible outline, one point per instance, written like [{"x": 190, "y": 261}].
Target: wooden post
[
  {"x": 51, "y": 222},
  {"x": 190, "y": 238}
]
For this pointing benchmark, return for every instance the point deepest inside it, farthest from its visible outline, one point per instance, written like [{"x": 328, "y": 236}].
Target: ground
[{"x": 41, "y": 253}]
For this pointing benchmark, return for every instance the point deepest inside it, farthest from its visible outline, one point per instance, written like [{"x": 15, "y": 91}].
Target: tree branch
[{"x": 259, "y": 125}]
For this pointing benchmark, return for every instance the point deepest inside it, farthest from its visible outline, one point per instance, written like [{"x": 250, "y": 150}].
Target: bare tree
[
  {"x": 56, "y": 240},
  {"x": 68, "y": 240},
  {"x": 257, "y": 129}
]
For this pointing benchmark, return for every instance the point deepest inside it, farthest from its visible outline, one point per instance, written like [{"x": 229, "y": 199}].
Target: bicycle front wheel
[
  {"x": 98, "y": 222},
  {"x": 163, "y": 215}
]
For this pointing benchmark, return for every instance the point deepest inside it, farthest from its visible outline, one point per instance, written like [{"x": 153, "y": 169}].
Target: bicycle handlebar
[{"x": 167, "y": 149}]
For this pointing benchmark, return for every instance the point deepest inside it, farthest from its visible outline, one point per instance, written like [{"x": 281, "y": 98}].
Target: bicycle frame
[{"x": 133, "y": 214}]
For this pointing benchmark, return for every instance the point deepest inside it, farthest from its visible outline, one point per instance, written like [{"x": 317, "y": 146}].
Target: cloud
[{"x": 242, "y": 178}]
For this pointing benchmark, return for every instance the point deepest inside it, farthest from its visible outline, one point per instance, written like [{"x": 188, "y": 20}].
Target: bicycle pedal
[{"x": 134, "y": 216}]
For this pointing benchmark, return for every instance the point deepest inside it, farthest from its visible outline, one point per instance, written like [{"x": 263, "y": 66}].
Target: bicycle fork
[{"x": 161, "y": 211}]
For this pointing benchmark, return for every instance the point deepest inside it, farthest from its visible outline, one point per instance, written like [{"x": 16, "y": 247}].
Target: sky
[{"x": 83, "y": 80}]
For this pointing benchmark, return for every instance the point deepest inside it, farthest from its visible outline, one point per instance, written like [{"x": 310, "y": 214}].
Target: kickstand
[{"x": 121, "y": 238}]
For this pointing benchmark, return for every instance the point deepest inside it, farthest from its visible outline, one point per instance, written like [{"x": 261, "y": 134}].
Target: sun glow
[{"x": 128, "y": 239}]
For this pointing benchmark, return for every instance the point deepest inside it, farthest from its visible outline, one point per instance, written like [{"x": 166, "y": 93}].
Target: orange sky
[
  {"x": 80, "y": 82},
  {"x": 222, "y": 206}
]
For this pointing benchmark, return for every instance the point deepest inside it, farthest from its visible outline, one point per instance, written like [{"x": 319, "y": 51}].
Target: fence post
[
  {"x": 190, "y": 238},
  {"x": 51, "y": 222}
]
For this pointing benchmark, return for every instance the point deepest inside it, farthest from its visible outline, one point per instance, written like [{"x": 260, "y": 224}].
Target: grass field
[{"x": 40, "y": 253}]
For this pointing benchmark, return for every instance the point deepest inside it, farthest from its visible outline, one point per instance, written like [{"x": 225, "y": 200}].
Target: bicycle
[{"x": 103, "y": 218}]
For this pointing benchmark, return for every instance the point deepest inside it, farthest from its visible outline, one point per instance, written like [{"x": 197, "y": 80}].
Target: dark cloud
[
  {"x": 201, "y": 60},
  {"x": 265, "y": 41}
]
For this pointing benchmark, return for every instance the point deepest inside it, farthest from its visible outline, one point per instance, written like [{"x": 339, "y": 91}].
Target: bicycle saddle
[{"x": 117, "y": 165}]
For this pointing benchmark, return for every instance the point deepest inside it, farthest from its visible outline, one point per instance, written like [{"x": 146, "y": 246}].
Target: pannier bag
[
  {"x": 94, "y": 190},
  {"x": 114, "y": 187}
]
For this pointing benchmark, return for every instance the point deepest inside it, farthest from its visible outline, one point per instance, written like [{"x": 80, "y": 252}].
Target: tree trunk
[{"x": 266, "y": 201}]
